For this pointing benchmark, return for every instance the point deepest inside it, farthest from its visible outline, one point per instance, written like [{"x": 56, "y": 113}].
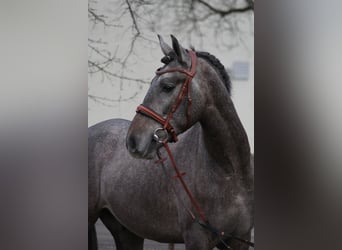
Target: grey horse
[{"x": 136, "y": 198}]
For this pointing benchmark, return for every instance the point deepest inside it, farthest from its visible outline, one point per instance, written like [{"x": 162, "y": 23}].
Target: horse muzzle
[{"x": 141, "y": 147}]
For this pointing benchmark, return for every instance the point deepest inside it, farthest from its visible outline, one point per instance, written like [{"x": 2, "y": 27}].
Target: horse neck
[{"x": 224, "y": 136}]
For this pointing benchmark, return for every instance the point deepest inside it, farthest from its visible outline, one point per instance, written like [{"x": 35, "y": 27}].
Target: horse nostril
[{"x": 131, "y": 144}]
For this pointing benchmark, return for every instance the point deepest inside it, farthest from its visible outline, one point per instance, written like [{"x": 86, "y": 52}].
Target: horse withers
[{"x": 137, "y": 199}]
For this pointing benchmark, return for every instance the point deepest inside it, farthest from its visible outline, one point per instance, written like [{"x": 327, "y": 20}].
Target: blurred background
[{"x": 44, "y": 99}]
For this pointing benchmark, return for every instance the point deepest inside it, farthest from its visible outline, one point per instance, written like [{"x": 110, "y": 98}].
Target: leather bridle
[{"x": 185, "y": 90}]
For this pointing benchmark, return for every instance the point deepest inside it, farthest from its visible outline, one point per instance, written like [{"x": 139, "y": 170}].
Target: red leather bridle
[{"x": 165, "y": 122}]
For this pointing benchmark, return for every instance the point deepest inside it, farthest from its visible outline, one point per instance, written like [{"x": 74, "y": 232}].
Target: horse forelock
[{"x": 169, "y": 58}]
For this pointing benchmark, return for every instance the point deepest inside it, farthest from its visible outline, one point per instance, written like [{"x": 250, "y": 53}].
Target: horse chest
[{"x": 219, "y": 193}]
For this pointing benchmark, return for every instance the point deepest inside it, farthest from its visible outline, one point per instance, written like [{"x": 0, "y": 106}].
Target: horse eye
[{"x": 167, "y": 88}]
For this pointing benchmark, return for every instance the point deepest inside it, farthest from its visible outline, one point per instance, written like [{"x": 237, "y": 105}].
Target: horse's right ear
[
  {"x": 164, "y": 46},
  {"x": 183, "y": 56}
]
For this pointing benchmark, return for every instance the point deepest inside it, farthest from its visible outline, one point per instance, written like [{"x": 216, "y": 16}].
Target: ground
[{"x": 105, "y": 241}]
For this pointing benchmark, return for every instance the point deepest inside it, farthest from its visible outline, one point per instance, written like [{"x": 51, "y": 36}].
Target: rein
[
  {"x": 163, "y": 138},
  {"x": 204, "y": 221}
]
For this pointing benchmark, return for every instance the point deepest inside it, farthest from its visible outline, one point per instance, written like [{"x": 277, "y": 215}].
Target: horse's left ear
[
  {"x": 183, "y": 56},
  {"x": 166, "y": 49}
]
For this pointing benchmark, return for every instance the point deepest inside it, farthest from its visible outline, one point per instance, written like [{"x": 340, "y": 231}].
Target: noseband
[{"x": 165, "y": 122}]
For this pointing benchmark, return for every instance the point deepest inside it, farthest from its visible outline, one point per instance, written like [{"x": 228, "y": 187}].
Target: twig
[
  {"x": 135, "y": 25},
  {"x": 250, "y": 6},
  {"x": 92, "y": 64}
]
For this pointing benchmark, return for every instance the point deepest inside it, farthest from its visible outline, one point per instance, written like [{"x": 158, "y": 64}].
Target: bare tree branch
[
  {"x": 248, "y": 7},
  {"x": 102, "y": 69},
  {"x": 97, "y": 18},
  {"x": 110, "y": 102},
  {"x": 135, "y": 25},
  {"x": 114, "y": 61}
]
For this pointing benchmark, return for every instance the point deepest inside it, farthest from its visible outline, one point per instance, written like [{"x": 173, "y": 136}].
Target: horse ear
[
  {"x": 183, "y": 56},
  {"x": 164, "y": 46}
]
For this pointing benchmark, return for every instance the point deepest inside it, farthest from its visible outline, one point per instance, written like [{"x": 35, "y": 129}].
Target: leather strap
[
  {"x": 165, "y": 122},
  {"x": 158, "y": 118}
]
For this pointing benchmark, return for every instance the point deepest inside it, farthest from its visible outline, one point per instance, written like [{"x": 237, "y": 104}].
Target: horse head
[{"x": 172, "y": 104}]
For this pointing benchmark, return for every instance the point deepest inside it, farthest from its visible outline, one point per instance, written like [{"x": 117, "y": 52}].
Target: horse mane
[
  {"x": 212, "y": 60},
  {"x": 218, "y": 66}
]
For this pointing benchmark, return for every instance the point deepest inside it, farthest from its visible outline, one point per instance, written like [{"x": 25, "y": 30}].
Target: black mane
[
  {"x": 218, "y": 66},
  {"x": 210, "y": 59}
]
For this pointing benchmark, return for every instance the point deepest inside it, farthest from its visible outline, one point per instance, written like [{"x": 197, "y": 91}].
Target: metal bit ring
[{"x": 160, "y": 135}]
